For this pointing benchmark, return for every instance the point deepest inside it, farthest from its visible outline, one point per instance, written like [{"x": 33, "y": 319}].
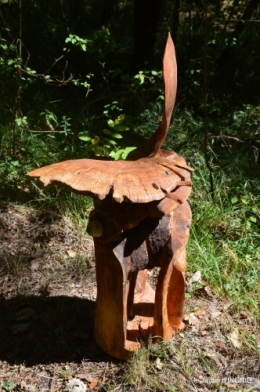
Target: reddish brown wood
[
  {"x": 128, "y": 309},
  {"x": 151, "y": 147},
  {"x": 140, "y": 221}
]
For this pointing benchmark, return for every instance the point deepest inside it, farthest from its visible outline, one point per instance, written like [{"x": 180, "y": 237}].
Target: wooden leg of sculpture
[
  {"x": 112, "y": 287},
  {"x": 127, "y": 309},
  {"x": 170, "y": 290},
  {"x": 124, "y": 305}
]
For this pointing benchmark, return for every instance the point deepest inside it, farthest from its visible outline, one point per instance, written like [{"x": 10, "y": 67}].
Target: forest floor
[{"x": 47, "y": 307}]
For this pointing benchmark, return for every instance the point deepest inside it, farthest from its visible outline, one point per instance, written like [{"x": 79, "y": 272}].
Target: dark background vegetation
[{"x": 68, "y": 67}]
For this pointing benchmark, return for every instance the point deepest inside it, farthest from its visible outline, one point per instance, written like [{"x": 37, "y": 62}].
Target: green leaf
[
  {"x": 111, "y": 141},
  {"x": 234, "y": 199},
  {"x": 120, "y": 119},
  {"x": 106, "y": 131},
  {"x": 8, "y": 385},
  {"x": 117, "y": 135},
  {"x": 95, "y": 140},
  {"x": 84, "y": 136},
  {"x": 111, "y": 123},
  {"x": 253, "y": 219},
  {"x": 116, "y": 155},
  {"x": 121, "y": 128},
  {"x": 126, "y": 151}
]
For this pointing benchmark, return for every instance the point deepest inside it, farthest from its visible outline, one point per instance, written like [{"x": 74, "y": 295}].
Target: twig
[
  {"x": 255, "y": 149},
  {"x": 41, "y": 131},
  {"x": 233, "y": 138},
  {"x": 227, "y": 137},
  {"x": 242, "y": 20}
]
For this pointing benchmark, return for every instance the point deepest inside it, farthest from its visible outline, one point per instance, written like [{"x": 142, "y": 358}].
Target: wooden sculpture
[{"x": 141, "y": 220}]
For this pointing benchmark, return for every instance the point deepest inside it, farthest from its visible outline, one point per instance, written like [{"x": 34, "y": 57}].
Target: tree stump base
[{"x": 128, "y": 309}]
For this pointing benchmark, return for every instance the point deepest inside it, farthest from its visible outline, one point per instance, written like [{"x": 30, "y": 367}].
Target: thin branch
[
  {"x": 243, "y": 20},
  {"x": 227, "y": 137},
  {"x": 41, "y": 131},
  {"x": 232, "y": 138}
]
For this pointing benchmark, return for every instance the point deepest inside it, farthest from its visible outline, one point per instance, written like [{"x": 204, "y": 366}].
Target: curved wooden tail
[{"x": 151, "y": 147}]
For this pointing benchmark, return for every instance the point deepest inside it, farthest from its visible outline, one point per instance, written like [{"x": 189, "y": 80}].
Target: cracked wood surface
[{"x": 139, "y": 181}]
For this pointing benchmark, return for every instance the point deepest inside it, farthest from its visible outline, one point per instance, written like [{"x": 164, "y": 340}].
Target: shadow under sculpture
[{"x": 141, "y": 220}]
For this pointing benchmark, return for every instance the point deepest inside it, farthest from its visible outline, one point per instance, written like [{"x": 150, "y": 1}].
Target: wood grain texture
[
  {"x": 139, "y": 181},
  {"x": 152, "y": 146}
]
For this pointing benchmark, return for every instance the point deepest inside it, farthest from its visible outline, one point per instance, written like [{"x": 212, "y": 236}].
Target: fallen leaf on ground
[
  {"x": 158, "y": 364},
  {"x": 199, "y": 312},
  {"x": 94, "y": 383},
  {"x": 195, "y": 278},
  {"x": 227, "y": 306},
  {"x": 35, "y": 264},
  {"x": 192, "y": 319},
  {"x": 75, "y": 385},
  {"x": 85, "y": 376},
  {"x": 235, "y": 338},
  {"x": 215, "y": 314},
  {"x": 71, "y": 252},
  {"x": 208, "y": 291}
]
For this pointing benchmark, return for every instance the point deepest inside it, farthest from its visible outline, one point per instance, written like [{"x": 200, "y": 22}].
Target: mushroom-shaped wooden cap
[{"x": 139, "y": 181}]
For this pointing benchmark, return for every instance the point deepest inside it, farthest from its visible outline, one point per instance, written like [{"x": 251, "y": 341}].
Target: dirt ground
[{"x": 47, "y": 308}]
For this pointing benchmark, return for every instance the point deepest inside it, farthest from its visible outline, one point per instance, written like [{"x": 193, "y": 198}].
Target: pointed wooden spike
[{"x": 151, "y": 147}]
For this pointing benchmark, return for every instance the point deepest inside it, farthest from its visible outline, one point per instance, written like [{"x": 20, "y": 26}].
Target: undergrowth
[
  {"x": 224, "y": 240},
  {"x": 223, "y": 246}
]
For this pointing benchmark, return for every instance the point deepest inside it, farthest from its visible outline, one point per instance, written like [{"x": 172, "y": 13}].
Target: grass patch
[
  {"x": 224, "y": 243},
  {"x": 47, "y": 267}
]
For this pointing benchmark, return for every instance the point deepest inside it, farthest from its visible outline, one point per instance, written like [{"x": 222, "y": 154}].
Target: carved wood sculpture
[{"x": 141, "y": 220}]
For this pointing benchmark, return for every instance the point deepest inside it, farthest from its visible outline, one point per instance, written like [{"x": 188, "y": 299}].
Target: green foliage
[
  {"x": 77, "y": 41},
  {"x": 8, "y": 385},
  {"x": 224, "y": 241},
  {"x": 149, "y": 76},
  {"x": 109, "y": 139},
  {"x": 121, "y": 153}
]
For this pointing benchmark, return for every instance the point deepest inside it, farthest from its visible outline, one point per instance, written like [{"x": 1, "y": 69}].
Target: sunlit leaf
[
  {"x": 117, "y": 135},
  {"x": 111, "y": 123},
  {"x": 234, "y": 200},
  {"x": 84, "y": 136}
]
